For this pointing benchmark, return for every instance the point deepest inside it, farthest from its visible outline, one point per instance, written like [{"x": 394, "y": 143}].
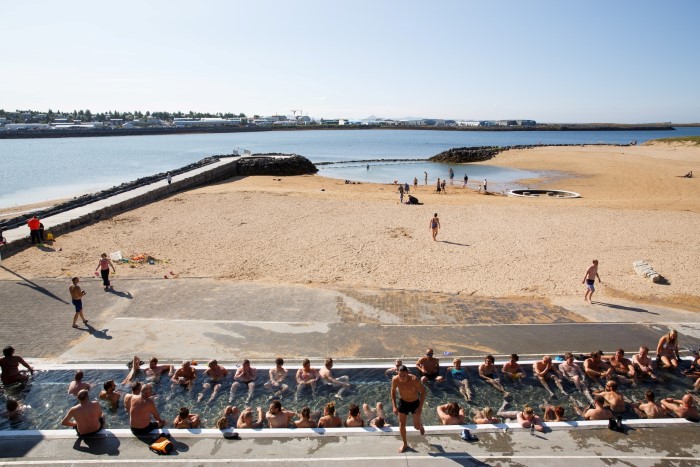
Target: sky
[{"x": 624, "y": 61}]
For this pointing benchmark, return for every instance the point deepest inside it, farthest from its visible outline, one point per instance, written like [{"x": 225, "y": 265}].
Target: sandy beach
[{"x": 318, "y": 231}]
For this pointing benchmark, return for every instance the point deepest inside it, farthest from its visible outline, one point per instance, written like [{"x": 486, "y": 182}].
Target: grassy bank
[{"x": 680, "y": 139}]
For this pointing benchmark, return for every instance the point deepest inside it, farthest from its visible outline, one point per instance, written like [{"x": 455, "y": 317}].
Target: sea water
[
  {"x": 35, "y": 170},
  {"x": 47, "y": 395}
]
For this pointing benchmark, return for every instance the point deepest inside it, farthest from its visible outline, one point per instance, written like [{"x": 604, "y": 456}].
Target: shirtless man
[
  {"x": 135, "y": 391},
  {"x": 245, "y": 375},
  {"x": 527, "y": 419},
  {"x": 354, "y": 420},
  {"x": 76, "y": 295},
  {"x": 411, "y": 398},
  {"x": 376, "y": 417},
  {"x": 246, "y": 419},
  {"x": 305, "y": 420},
  {"x": 622, "y": 367},
  {"x": 9, "y": 365},
  {"x": 77, "y": 384},
  {"x": 429, "y": 368},
  {"x": 185, "y": 375},
  {"x": 684, "y": 408},
  {"x": 599, "y": 412},
  {"x": 489, "y": 373},
  {"x": 87, "y": 416},
  {"x": 545, "y": 371},
  {"x": 14, "y": 409},
  {"x": 155, "y": 371},
  {"x": 394, "y": 370},
  {"x": 613, "y": 398},
  {"x": 643, "y": 363},
  {"x": 570, "y": 370},
  {"x": 330, "y": 419},
  {"x": 134, "y": 370},
  {"x": 451, "y": 414},
  {"x": 650, "y": 408},
  {"x": 216, "y": 374},
  {"x": 513, "y": 370},
  {"x": 326, "y": 374},
  {"x": 596, "y": 369},
  {"x": 306, "y": 377},
  {"x": 589, "y": 280},
  {"x": 277, "y": 416},
  {"x": 141, "y": 409},
  {"x": 110, "y": 394},
  {"x": 277, "y": 376}
]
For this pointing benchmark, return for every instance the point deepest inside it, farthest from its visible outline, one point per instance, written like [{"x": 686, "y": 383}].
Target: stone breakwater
[
  {"x": 484, "y": 153},
  {"x": 258, "y": 164}
]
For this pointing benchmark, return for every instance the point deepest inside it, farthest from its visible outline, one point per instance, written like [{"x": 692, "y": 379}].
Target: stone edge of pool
[{"x": 341, "y": 432}]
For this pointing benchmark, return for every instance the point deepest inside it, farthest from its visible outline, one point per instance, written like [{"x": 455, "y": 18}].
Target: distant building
[
  {"x": 27, "y": 126},
  {"x": 467, "y": 123}
]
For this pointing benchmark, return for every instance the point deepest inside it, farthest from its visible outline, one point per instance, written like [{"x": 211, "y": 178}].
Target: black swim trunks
[
  {"x": 430, "y": 376},
  {"x": 144, "y": 431},
  {"x": 408, "y": 407},
  {"x": 84, "y": 435}
]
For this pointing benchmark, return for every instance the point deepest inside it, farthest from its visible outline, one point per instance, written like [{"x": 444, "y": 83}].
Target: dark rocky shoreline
[{"x": 484, "y": 153}]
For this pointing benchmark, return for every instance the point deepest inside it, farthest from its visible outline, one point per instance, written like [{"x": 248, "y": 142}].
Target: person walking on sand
[
  {"x": 466, "y": 179},
  {"x": 589, "y": 280},
  {"x": 411, "y": 398},
  {"x": 415, "y": 183},
  {"x": 103, "y": 265},
  {"x": 434, "y": 225},
  {"x": 76, "y": 295},
  {"x": 426, "y": 178}
]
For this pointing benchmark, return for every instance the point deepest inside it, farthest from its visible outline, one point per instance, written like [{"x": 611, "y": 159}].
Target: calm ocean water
[{"x": 34, "y": 170}]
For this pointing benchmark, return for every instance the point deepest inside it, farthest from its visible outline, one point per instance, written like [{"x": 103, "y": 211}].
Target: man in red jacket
[{"x": 34, "y": 226}]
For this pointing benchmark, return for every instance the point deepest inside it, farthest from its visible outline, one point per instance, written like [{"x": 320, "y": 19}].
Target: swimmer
[
  {"x": 186, "y": 420},
  {"x": 305, "y": 420},
  {"x": 216, "y": 374},
  {"x": 596, "y": 369},
  {"x": 513, "y": 370},
  {"x": 598, "y": 411},
  {"x": 429, "y": 366},
  {"x": 489, "y": 373},
  {"x": 229, "y": 419},
  {"x": 135, "y": 391},
  {"x": 330, "y": 419},
  {"x": 277, "y": 416},
  {"x": 376, "y": 416},
  {"x": 246, "y": 419},
  {"x": 450, "y": 414},
  {"x": 394, "y": 370},
  {"x": 650, "y": 408},
  {"x": 458, "y": 375},
  {"x": 185, "y": 375},
  {"x": 643, "y": 363},
  {"x": 667, "y": 351},
  {"x": 155, "y": 371},
  {"x": 684, "y": 408},
  {"x": 545, "y": 370},
  {"x": 14, "y": 409},
  {"x": 527, "y": 419},
  {"x": 622, "y": 367},
  {"x": 553, "y": 413},
  {"x": 306, "y": 377},
  {"x": 134, "y": 371},
  {"x": 411, "y": 398},
  {"x": 326, "y": 374},
  {"x": 353, "y": 419},
  {"x": 277, "y": 376},
  {"x": 613, "y": 399},
  {"x": 9, "y": 367},
  {"x": 77, "y": 384},
  {"x": 485, "y": 416},
  {"x": 110, "y": 394},
  {"x": 570, "y": 370},
  {"x": 245, "y": 375}
]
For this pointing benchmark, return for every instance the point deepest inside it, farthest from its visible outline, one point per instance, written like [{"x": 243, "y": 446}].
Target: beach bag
[
  {"x": 49, "y": 237},
  {"x": 162, "y": 446}
]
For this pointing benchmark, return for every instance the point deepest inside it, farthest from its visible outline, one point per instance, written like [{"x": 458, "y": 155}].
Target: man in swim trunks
[
  {"x": 245, "y": 375},
  {"x": 489, "y": 373},
  {"x": 394, "y": 370},
  {"x": 77, "y": 384},
  {"x": 9, "y": 367},
  {"x": 650, "y": 408},
  {"x": 684, "y": 408},
  {"x": 185, "y": 375},
  {"x": 155, "y": 371},
  {"x": 570, "y": 370},
  {"x": 589, "y": 280},
  {"x": 599, "y": 411},
  {"x": 411, "y": 398},
  {"x": 277, "y": 416},
  {"x": 622, "y": 367},
  {"x": 513, "y": 370},
  {"x": 87, "y": 416},
  {"x": 643, "y": 363},
  {"x": 141, "y": 409},
  {"x": 595, "y": 368},
  {"x": 612, "y": 398},
  {"x": 545, "y": 370},
  {"x": 277, "y": 376},
  {"x": 110, "y": 394},
  {"x": 216, "y": 374},
  {"x": 306, "y": 377},
  {"x": 429, "y": 368},
  {"x": 450, "y": 414},
  {"x": 326, "y": 374},
  {"x": 135, "y": 391},
  {"x": 76, "y": 295}
]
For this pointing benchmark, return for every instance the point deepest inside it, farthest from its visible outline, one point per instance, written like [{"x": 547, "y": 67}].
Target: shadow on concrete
[
  {"x": 459, "y": 458},
  {"x": 19, "y": 447},
  {"x": 99, "y": 334},
  {"x": 625, "y": 308},
  {"x": 98, "y": 445},
  {"x": 121, "y": 294},
  {"x": 35, "y": 286}
]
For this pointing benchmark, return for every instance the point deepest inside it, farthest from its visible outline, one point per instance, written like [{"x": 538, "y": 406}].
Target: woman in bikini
[
  {"x": 434, "y": 225},
  {"x": 667, "y": 350}
]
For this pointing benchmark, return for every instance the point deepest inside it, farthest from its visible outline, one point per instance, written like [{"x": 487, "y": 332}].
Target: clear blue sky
[{"x": 552, "y": 61}]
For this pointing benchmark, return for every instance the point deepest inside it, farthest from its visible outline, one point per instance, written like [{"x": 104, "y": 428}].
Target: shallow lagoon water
[{"x": 46, "y": 394}]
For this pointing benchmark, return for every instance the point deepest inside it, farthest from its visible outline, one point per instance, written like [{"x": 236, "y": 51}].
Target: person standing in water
[
  {"x": 103, "y": 265},
  {"x": 434, "y": 225}
]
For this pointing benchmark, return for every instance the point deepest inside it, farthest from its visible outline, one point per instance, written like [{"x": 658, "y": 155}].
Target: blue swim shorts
[
  {"x": 78, "y": 304},
  {"x": 591, "y": 284}
]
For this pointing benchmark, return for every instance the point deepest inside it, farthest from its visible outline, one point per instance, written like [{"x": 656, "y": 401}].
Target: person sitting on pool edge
[
  {"x": 9, "y": 367},
  {"x": 429, "y": 368},
  {"x": 141, "y": 410},
  {"x": 87, "y": 416}
]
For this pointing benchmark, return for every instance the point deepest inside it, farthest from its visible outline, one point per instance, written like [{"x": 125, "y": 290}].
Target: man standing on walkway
[
  {"x": 76, "y": 295},
  {"x": 589, "y": 280},
  {"x": 411, "y": 399},
  {"x": 87, "y": 416}
]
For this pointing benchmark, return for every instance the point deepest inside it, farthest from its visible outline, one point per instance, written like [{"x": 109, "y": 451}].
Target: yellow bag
[
  {"x": 162, "y": 446},
  {"x": 49, "y": 236}
]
